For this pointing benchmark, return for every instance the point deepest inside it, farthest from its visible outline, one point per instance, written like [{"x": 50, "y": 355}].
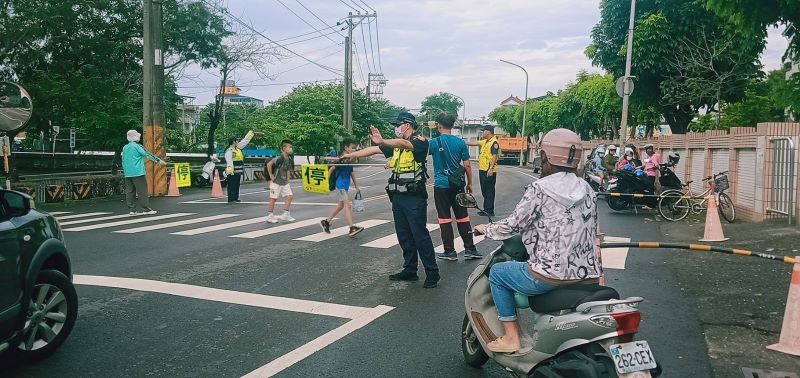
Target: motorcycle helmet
[
  {"x": 639, "y": 173},
  {"x": 673, "y": 157},
  {"x": 629, "y": 167},
  {"x": 601, "y": 150},
  {"x": 562, "y": 148}
]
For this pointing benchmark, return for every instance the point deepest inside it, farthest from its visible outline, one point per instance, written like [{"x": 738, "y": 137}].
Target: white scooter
[
  {"x": 581, "y": 331},
  {"x": 206, "y": 177}
]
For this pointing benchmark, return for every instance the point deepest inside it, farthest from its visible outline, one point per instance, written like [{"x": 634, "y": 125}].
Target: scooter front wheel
[{"x": 474, "y": 354}]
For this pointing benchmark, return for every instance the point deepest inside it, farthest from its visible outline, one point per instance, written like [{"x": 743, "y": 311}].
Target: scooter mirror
[
  {"x": 466, "y": 200},
  {"x": 15, "y": 107}
]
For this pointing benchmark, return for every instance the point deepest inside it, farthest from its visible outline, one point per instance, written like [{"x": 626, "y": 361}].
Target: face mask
[{"x": 398, "y": 131}]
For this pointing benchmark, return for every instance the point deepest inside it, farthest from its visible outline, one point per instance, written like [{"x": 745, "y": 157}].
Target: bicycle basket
[{"x": 722, "y": 183}]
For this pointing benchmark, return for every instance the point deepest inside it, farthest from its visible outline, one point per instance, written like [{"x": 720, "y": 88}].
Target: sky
[{"x": 426, "y": 46}]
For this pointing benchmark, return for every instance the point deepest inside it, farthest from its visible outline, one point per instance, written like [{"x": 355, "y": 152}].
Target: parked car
[{"x": 38, "y": 302}]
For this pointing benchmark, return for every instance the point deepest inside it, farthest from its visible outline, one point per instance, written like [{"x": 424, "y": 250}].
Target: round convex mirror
[{"x": 15, "y": 107}]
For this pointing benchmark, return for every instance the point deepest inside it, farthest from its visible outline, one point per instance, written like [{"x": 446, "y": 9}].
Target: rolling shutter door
[
  {"x": 746, "y": 177},
  {"x": 720, "y": 161},
  {"x": 698, "y": 170}
]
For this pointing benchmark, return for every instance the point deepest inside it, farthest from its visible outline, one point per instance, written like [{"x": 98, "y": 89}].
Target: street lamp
[
  {"x": 464, "y": 110},
  {"x": 524, "y": 104}
]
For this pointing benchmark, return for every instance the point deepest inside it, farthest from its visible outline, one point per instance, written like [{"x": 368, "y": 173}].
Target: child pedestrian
[
  {"x": 343, "y": 174},
  {"x": 279, "y": 169}
]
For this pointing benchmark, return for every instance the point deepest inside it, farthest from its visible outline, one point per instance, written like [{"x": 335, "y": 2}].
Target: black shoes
[
  {"x": 326, "y": 226},
  {"x": 449, "y": 255},
  {"x": 431, "y": 280},
  {"x": 471, "y": 254},
  {"x": 485, "y": 214},
  {"x": 405, "y": 276}
]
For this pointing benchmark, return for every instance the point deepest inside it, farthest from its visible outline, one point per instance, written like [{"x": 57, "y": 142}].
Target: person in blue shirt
[
  {"x": 133, "y": 155},
  {"x": 343, "y": 174},
  {"x": 450, "y": 153}
]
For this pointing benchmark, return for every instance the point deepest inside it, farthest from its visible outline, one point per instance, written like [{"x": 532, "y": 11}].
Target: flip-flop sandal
[{"x": 499, "y": 345}]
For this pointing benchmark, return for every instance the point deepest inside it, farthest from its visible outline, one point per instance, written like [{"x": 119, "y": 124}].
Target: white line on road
[
  {"x": 131, "y": 221},
  {"x": 277, "y": 229},
  {"x": 110, "y": 217},
  {"x": 458, "y": 244},
  {"x": 175, "y": 224},
  {"x": 84, "y": 215},
  {"x": 341, "y": 231},
  {"x": 267, "y": 202},
  {"x": 223, "y": 226},
  {"x": 391, "y": 240},
  {"x": 614, "y": 258},
  {"x": 282, "y": 363},
  {"x": 54, "y": 213}
]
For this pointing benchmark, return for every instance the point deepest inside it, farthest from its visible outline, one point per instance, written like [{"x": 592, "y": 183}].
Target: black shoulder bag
[{"x": 457, "y": 177}]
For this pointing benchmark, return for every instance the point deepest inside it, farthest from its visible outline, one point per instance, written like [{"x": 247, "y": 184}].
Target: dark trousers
[
  {"x": 487, "y": 190},
  {"x": 410, "y": 222},
  {"x": 136, "y": 189},
  {"x": 234, "y": 182},
  {"x": 445, "y": 199}
]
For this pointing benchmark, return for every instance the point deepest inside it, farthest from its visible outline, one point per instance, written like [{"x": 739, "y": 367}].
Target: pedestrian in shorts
[
  {"x": 343, "y": 174},
  {"x": 279, "y": 169}
]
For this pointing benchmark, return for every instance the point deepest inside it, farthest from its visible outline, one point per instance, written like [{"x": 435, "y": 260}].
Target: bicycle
[{"x": 675, "y": 205}]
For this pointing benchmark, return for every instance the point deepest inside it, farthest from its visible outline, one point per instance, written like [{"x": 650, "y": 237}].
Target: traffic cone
[
  {"x": 713, "y": 232},
  {"x": 216, "y": 189},
  {"x": 789, "y": 341},
  {"x": 173, "y": 185}
]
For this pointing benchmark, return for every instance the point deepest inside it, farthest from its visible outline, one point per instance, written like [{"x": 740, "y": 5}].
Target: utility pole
[
  {"x": 153, "y": 96},
  {"x": 623, "y": 130},
  {"x": 353, "y": 20}
]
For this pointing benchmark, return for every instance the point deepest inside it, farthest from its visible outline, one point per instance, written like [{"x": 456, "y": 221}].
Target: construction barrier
[
  {"x": 54, "y": 193},
  {"x": 29, "y": 190},
  {"x": 81, "y": 190},
  {"x": 294, "y": 175},
  {"x": 258, "y": 175},
  {"x": 639, "y": 195}
]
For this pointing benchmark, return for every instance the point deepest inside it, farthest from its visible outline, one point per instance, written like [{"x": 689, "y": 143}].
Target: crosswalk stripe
[
  {"x": 90, "y": 220},
  {"x": 130, "y": 221},
  {"x": 277, "y": 229},
  {"x": 84, "y": 215},
  {"x": 54, "y": 213},
  {"x": 322, "y": 236},
  {"x": 614, "y": 258},
  {"x": 458, "y": 243},
  {"x": 175, "y": 224},
  {"x": 223, "y": 226},
  {"x": 391, "y": 240}
]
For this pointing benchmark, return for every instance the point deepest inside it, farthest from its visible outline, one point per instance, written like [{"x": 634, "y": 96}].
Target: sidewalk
[{"x": 740, "y": 300}]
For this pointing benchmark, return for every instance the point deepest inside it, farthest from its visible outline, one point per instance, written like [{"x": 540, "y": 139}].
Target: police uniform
[
  {"x": 234, "y": 160},
  {"x": 408, "y": 192},
  {"x": 488, "y": 148}
]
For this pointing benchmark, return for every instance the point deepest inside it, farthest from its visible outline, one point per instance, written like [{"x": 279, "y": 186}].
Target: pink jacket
[{"x": 651, "y": 168}]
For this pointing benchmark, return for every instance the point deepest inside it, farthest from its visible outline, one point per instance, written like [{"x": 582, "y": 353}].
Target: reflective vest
[
  {"x": 238, "y": 160},
  {"x": 485, "y": 157},
  {"x": 408, "y": 175}
]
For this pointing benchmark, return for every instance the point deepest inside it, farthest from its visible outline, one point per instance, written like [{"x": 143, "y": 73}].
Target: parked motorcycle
[
  {"x": 577, "y": 330},
  {"x": 206, "y": 177},
  {"x": 630, "y": 183}
]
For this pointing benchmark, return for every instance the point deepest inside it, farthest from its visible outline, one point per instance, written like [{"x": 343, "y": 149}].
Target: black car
[{"x": 38, "y": 302}]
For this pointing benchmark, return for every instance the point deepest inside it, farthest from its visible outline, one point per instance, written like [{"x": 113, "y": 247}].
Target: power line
[
  {"x": 378, "y": 42},
  {"x": 364, "y": 45},
  {"x": 338, "y": 50},
  {"x": 358, "y": 63},
  {"x": 317, "y": 17},
  {"x": 226, "y": 12},
  {"x": 305, "y": 34},
  {"x": 305, "y": 64},
  {"x": 362, "y": 8},
  {"x": 261, "y": 85},
  {"x": 370, "y": 8},
  {"x": 304, "y": 20},
  {"x": 311, "y": 39},
  {"x": 369, "y": 25},
  {"x": 351, "y": 7}
]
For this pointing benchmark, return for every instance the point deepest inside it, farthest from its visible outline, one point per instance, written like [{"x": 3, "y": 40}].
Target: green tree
[
  {"x": 662, "y": 28},
  {"x": 506, "y": 117},
  {"x": 438, "y": 102},
  {"x": 590, "y": 106},
  {"x": 755, "y": 16}
]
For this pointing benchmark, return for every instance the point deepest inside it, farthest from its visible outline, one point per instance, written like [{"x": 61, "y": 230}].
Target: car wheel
[{"x": 51, "y": 314}]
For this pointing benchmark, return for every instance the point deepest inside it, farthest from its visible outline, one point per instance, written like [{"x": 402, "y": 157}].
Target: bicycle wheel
[
  {"x": 673, "y": 206},
  {"x": 726, "y": 208}
]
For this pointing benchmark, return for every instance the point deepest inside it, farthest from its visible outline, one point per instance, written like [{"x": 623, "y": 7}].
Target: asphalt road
[{"x": 352, "y": 321}]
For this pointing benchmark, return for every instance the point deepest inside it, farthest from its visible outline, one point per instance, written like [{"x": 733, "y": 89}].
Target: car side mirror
[{"x": 15, "y": 204}]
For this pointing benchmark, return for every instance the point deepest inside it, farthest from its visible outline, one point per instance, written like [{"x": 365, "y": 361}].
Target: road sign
[
  {"x": 56, "y": 129},
  {"x": 622, "y": 90},
  {"x": 315, "y": 178},
  {"x": 183, "y": 173}
]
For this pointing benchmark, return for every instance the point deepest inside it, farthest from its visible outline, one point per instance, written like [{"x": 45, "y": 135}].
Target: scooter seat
[{"x": 570, "y": 297}]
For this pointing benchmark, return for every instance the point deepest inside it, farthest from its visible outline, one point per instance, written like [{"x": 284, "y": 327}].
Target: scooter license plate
[{"x": 632, "y": 357}]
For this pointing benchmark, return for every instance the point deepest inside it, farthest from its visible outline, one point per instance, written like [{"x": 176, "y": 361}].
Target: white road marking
[
  {"x": 223, "y": 226},
  {"x": 341, "y": 231},
  {"x": 266, "y": 203},
  {"x": 54, "y": 213},
  {"x": 110, "y": 217},
  {"x": 175, "y": 224},
  {"x": 282, "y": 363},
  {"x": 130, "y": 221},
  {"x": 458, "y": 243},
  {"x": 84, "y": 215},
  {"x": 277, "y": 229},
  {"x": 225, "y": 296},
  {"x": 614, "y": 258},
  {"x": 391, "y": 240}
]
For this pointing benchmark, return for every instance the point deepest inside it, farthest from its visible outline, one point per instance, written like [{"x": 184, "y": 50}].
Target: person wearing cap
[
  {"x": 557, "y": 217},
  {"x": 610, "y": 160},
  {"x": 487, "y": 167},
  {"x": 407, "y": 190},
  {"x": 133, "y": 155},
  {"x": 652, "y": 163},
  {"x": 234, "y": 164}
]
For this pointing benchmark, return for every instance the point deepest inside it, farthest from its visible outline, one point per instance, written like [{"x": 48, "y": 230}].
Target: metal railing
[{"x": 782, "y": 195}]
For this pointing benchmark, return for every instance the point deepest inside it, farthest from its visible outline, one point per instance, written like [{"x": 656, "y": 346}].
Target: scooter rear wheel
[{"x": 471, "y": 347}]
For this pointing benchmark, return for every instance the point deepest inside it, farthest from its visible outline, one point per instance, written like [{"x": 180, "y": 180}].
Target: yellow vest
[
  {"x": 238, "y": 155},
  {"x": 408, "y": 175},
  {"x": 403, "y": 161},
  {"x": 485, "y": 157}
]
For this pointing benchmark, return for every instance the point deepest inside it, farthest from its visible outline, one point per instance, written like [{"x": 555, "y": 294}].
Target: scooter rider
[{"x": 557, "y": 217}]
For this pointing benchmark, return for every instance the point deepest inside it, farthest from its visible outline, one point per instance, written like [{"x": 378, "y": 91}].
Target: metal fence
[{"x": 782, "y": 194}]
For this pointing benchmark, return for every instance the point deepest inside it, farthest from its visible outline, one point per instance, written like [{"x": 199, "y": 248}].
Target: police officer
[
  {"x": 407, "y": 190},
  {"x": 487, "y": 167},
  {"x": 234, "y": 164}
]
